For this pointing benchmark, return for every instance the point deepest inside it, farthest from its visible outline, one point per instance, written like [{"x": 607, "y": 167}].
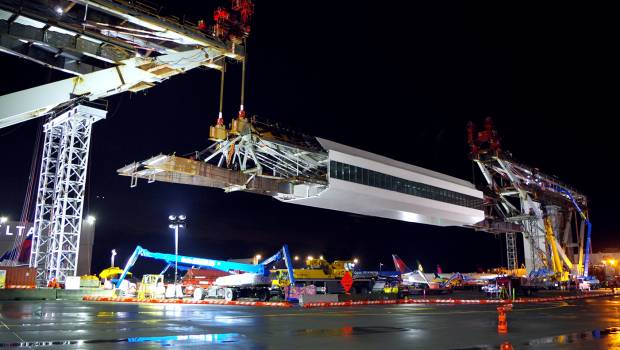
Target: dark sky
[{"x": 398, "y": 80}]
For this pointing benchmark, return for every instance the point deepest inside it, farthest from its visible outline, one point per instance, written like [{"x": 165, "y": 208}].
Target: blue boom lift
[{"x": 261, "y": 290}]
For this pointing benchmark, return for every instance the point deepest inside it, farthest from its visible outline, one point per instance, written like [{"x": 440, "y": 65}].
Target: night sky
[{"x": 399, "y": 80}]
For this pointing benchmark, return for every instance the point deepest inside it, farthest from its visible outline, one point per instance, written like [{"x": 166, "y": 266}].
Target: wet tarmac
[{"x": 587, "y": 324}]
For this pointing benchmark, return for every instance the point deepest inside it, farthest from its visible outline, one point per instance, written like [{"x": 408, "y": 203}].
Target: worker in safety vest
[{"x": 390, "y": 288}]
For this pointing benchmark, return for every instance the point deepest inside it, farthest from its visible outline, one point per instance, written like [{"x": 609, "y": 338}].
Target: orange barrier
[
  {"x": 18, "y": 286},
  {"x": 458, "y": 301},
  {"x": 181, "y": 301},
  {"x": 508, "y": 303}
]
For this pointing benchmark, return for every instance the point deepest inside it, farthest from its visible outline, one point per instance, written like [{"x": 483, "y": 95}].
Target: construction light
[
  {"x": 3, "y": 220},
  {"x": 321, "y": 257},
  {"x": 176, "y": 222},
  {"x": 355, "y": 261},
  {"x": 258, "y": 256},
  {"x": 296, "y": 258},
  {"x": 59, "y": 10},
  {"x": 309, "y": 257},
  {"x": 90, "y": 219},
  {"x": 613, "y": 262}
]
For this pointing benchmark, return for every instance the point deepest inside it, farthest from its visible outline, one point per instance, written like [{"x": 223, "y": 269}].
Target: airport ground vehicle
[
  {"x": 199, "y": 278},
  {"x": 152, "y": 286},
  {"x": 326, "y": 277}
]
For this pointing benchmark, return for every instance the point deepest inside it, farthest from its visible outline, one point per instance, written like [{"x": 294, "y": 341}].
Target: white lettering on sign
[{"x": 11, "y": 230}]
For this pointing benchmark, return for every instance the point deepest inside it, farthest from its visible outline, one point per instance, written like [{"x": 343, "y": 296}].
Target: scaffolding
[
  {"x": 60, "y": 194},
  {"x": 511, "y": 251}
]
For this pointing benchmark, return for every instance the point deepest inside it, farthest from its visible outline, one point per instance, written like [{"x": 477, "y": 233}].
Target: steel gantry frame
[
  {"x": 526, "y": 196},
  {"x": 60, "y": 196}
]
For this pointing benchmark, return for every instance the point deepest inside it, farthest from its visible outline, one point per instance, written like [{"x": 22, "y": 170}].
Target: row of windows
[{"x": 372, "y": 178}]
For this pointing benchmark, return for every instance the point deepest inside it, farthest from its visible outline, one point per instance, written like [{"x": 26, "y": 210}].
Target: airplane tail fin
[{"x": 400, "y": 265}]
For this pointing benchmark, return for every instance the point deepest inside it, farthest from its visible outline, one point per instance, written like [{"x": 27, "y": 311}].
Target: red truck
[{"x": 202, "y": 278}]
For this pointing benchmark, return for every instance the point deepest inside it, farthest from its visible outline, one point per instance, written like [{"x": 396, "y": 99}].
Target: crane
[
  {"x": 251, "y": 282},
  {"x": 110, "y": 47},
  {"x": 585, "y": 263},
  {"x": 542, "y": 205}
]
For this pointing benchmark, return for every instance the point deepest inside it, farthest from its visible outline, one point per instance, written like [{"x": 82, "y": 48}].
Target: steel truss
[
  {"x": 60, "y": 194},
  {"x": 252, "y": 153},
  {"x": 525, "y": 196}
]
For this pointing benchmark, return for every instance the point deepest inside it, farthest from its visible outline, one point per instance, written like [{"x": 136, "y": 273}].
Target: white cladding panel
[
  {"x": 417, "y": 176},
  {"x": 365, "y": 200},
  {"x": 385, "y": 162}
]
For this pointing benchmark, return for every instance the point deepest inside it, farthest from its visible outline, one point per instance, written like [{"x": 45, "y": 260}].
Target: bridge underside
[{"x": 186, "y": 171}]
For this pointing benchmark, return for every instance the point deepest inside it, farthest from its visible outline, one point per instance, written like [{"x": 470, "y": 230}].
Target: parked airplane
[{"x": 418, "y": 277}]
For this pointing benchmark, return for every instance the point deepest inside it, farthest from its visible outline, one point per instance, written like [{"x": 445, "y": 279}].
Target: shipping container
[{"x": 20, "y": 276}]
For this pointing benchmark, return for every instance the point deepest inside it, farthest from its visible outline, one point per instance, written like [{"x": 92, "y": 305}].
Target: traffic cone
[
  {"x": 506, "y": 346},
  {"x": 502, "y": 325}
]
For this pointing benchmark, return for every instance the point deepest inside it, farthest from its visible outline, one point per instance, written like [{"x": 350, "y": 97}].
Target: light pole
[
  {"x": 380, "y": 266},
  {"x": 175, "y": 223},
  {"x": 113, "y": 255}
]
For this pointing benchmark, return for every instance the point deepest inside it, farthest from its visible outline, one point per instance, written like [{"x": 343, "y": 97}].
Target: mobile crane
[
  {"x": 246, "y": 280},
  {"x": 319, "y": 272}
]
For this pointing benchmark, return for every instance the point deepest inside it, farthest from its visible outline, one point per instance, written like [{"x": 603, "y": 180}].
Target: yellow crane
[
  {"x": 557, "y": 254},
  {"x": 315, "y": 270}
]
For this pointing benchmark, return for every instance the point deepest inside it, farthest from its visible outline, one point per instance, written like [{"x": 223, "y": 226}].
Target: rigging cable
[
  {"x": 241, "y": 110},
  {"x": 220, "y": 117}
]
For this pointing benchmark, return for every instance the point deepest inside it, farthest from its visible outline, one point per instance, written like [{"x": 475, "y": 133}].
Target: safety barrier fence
[
  {"x": 352, "y": 303},
  {"x": 186, "y": 301},
  {"x": 457, "y": 301}
]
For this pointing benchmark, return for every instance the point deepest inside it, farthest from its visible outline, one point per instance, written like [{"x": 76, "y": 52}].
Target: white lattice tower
[
  {"x": 58, "y": 215},
  {"x": 45, "y": 198}
]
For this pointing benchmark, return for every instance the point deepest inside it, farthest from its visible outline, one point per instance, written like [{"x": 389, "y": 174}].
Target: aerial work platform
[{"x": 304, "y": 170}]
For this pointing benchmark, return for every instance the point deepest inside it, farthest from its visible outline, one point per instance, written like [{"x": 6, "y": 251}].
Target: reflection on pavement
[{"x": 216, "y": 338}]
